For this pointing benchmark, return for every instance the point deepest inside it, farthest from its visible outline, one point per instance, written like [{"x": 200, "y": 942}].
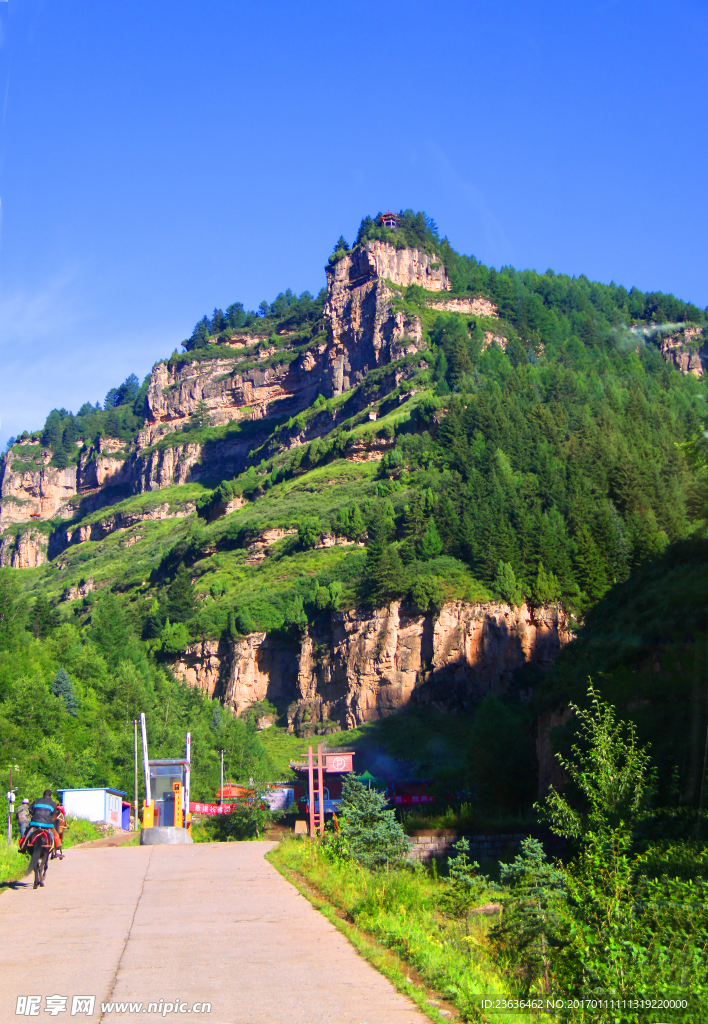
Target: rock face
[
  {"x": 201, "y": 667},
  {"x": 363, "y": 666},
  {"x": 678, "y": 349},
  {"x": 40, "y": 492},
  {"x": 475, "y": 307},
  {"x": 364, "y": 331},
  {"x": 24, "y": 550},
  {"x": 260, "y": 667},
  {"x": 228, "y": 394}
]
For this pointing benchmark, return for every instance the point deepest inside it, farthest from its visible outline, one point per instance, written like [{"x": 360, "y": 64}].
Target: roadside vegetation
[{"x": 622, "y": 914}]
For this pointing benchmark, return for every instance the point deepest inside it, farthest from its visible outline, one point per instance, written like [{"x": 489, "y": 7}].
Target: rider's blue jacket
[{"x": 42, "y": 811}]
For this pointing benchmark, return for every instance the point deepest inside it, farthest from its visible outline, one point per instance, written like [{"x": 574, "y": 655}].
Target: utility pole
[
  {"x": 135, "y": 773},
  {"x": 221, "y": 788},
  {"x": 10, "y": 803}
]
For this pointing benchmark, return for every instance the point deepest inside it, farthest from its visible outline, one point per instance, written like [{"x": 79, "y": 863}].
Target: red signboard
[
  {"x": 338, "y": 762},
  {"x": 197, "y": 808}
]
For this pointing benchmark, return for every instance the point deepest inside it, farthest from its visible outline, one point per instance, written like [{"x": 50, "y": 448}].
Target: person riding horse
[{"x": 40, "y": 836}]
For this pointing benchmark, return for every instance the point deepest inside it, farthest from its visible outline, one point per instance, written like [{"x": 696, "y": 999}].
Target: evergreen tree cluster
[
  {"x": 413, "y": 231},
  {"x": 287, "y": 311},
  {"x": 546, "y": 308},
  {"x": 374, "y": 837},
  {"x": 551, "y": 477},
  {"x": 121, "y": 417}
]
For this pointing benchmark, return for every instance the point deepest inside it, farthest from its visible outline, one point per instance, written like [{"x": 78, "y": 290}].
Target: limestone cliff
[
  {"x": 38, "y": 491},
  {"x": 25, "y": 550},
  {"x": 679, "y": 349},
  {"x": 363, "y": 665},
  {"x": 227, "y": 392},
  {"x": 363, "y": 329}
]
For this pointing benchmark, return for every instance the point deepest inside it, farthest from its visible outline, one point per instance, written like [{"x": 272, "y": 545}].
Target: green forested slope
[{"x": 533, "y": 455}]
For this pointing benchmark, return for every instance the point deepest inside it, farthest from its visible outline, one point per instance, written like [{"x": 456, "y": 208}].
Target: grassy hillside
[{"x": 533, "y": 455}]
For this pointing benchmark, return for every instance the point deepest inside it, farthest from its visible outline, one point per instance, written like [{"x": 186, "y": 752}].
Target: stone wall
[{"x": 436, "y": 844}]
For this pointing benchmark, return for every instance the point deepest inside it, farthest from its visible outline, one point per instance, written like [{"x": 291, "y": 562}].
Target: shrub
[
  {"x": 174, "y": 638},
  {"x": 464, "y": 886},
  {"x": 308, "y": 532},
  {"x": 374, "y": 836}
]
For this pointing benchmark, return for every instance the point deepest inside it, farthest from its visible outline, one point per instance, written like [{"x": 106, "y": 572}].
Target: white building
[{"x": 102, "y": 804}]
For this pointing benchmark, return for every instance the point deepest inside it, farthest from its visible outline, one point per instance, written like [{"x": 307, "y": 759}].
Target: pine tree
[
  {"x": 431, "y": 545},
  {"x": 464, "y": 886},
  {"x": 414, "y": 517},
  {"x": 217, "y": 718},
  {"x": 374, "y": 836},
  {"x": 589, "y": 565},
  {"x": 545, "y": 589},
  {"x": 236, "y": 315},
  {"x": 218, "y": 321},
  {"x": 109, "y": 628},
  {"x": 505, "y": 583},
  {"x": 154, "y": 621},
  {"x": 180, "y": 596},
  {"x": 43, "y": 618},
  {"x": 52, "y": 436},
  {"x": 385, "y": 574},
  {"x": 175, "y": 637},
  {"x": 532, "y": 916},
  {"x": 62, "y": 687},
  {"x": 201, "y": 417},
  {"x": 357, "y": 526}
]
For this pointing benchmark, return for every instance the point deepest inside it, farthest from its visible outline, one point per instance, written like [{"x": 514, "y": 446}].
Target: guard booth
[
  {"x": 168, "y": 784},
  {"x": 167, "y": 780}
]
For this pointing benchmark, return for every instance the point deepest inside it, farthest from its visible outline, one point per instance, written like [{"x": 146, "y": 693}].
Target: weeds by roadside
[
  {"x": 400, "y": 911},
  {"x": 12, "y": 864}
]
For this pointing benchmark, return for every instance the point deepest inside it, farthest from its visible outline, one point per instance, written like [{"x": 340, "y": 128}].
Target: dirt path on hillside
[{"x": 209, "y": 923}]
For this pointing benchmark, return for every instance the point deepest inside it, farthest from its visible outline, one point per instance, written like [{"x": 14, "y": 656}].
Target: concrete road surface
[{"x": 179, "y": 927}]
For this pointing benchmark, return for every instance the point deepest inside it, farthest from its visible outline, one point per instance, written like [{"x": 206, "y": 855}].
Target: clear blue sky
[{"x": 159, "y": 158}]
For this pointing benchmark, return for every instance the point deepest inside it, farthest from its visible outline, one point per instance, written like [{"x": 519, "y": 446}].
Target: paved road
[{"x": 213, "y": 923}]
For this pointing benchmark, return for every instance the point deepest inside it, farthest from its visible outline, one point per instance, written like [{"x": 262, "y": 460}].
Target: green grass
[
  {"x": 398, "y": 910},
  {"x": 79, "y": 831},
  {"x": 176, "y": 496},
  {"x": 13, "y": 865}
]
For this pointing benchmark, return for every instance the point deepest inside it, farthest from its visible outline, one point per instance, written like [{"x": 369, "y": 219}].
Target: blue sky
[{"x": 159, "y": 159}]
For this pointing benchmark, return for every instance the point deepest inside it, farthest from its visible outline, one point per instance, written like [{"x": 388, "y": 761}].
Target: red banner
[
  {"x": 338, "y": 762},
  {"x": 196, "y": 808},
  {"x": 414, "y": 799}
]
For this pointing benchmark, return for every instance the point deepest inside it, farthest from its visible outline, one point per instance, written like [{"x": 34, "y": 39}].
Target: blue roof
[{"x": 94, "y": 789}]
